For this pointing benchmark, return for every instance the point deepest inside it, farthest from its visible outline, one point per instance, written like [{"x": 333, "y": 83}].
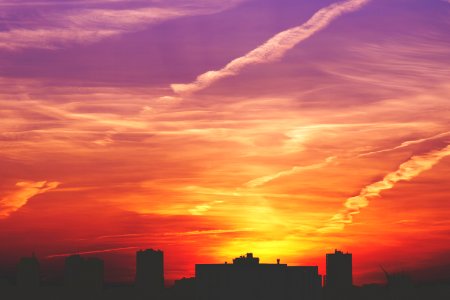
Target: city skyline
[
  {"x": 245, "y": 278},
  {"x": 83, "y": 270},
  {"x": 208, "y": 129},
  {"x": 77, "y": 268}
]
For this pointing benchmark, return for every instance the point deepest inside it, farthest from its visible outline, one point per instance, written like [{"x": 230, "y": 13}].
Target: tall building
[
  {"x": 339, "y": 270},
  {"x": 82, "y": 274},
  {"x": 73, "y": 271},
  {"x": 248, "y": 279},
  {"x": 28, "y": 273},
  {"x": 150, "y": 271},
  {"x": 93, "y": 273}
]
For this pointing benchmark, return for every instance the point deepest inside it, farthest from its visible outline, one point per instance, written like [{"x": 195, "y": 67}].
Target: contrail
[
  {"x": 91, "y": 252},
  {"x": 294, "y": 170},
  {"x": 274, "y": 48},
  {"x": 406, "y": 144},
  {"x": 406, "y": 172}
]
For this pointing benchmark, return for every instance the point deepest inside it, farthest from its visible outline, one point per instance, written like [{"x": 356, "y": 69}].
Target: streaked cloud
[
  {"x": 201, "y": 209},
  {"x": 19, "y": 3},
  {"x": 91, "y": 252},
  {"x": 406, "y": 172},
  {"x": 275, "y": 48},
  {"x": 25, "y": 190},
  {"x": 211, "y": 232},
  {"x": 88, "y": 25},
  {"x": 407, "y": 144},
  {"x": 294, "y": 170}
]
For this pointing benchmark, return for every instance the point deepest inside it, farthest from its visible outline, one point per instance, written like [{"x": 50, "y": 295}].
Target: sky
[{"x": 211, "y": 128}]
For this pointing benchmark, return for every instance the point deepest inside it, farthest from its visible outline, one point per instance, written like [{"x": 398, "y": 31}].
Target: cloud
[
  {"x": 407, "y": 144},
  {"x": 274, "y": 48},
  {"x": 91, "y": 252},
  {"x": 406, "y": 172},
  {"x": 88, "y": 25},
  {"x": 18, "y": 3},
  {"x": 26, "y": 190},
  {"x": 201, "y": 209},
  {"x": 294, "y": 170},
  {"x": 211, "y": 232}
]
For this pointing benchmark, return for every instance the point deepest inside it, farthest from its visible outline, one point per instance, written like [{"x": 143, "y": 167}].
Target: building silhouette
[
  {"x": 73, "y": 272},
  {"x": 184, "y": 289},
  {"x": 93, "y": 273},
  {"x": 339, "y": 270},
  {"x": 28, "y": 273},
  {"x": 83, "y": 273},
  {"x": 150, "y": 271},
  {"x": 304, "y": 282},
  {"x": 246, "y": 278},
  {"x": 399, "y": 286},
  {"x": 339, "y": 275}
]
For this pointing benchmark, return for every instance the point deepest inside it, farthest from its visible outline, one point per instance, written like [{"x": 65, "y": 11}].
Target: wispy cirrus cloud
[
  {"x": 274, "y": 48},
  {"x": 19, "y": 3},
  {"x": 211, "y": 232},
  {"x": 92, "y": 252},
  {"x": 25, "y": 191},
  {"x": 407, "y": 144},
  {"x": 87, "y": 25},
  {"x": 294, "y": 170},
  {"x": 203, "y": 208},
  {"x": 406, "y": 172}
]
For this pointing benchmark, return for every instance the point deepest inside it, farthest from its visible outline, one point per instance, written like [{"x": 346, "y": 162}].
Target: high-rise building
[
  {"x": 81, "y": 273},
  {"x": 339, "y": 270},
  {"x": 28, "y": 273},
  {"x": 93, "y": 273},
  {"x": 150, "y": 271},
  {"x": 73, "y": 272}
]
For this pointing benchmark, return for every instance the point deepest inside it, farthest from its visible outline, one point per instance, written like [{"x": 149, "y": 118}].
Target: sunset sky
[{"x": 213, "y": 128}]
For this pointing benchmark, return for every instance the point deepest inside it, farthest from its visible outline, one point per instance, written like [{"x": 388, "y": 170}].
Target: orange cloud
[
  {"x": 407, "y": 144},
  {"x": 406, "y": 172},
  {"x": 294, "y": 170},
  {"x": 203, "y": 208},
  {"x": 92, "y": 252},
  {"x": 26, "y": 190}
]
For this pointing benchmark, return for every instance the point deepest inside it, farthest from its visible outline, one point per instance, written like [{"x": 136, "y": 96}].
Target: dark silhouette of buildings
[
  {"x": 83, "y": 273},
  {"x": 248, "y": 279},
  {"x": 339, "y": 277},
  {"x": 73, "y": 272},
  {"x": 399, "y": 286},
  {"x": 94, "y": 272},
  {"x": 150, "y": 272},
  {"x": 28, "y": 273},
  {"x": 184, "y": 289},
  {"x": 339, "y": 270},
  {"x": 245, "y": 278}
]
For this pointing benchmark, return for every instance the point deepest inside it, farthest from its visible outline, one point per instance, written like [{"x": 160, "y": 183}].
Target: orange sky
[{"x": 340, "y": 141}]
